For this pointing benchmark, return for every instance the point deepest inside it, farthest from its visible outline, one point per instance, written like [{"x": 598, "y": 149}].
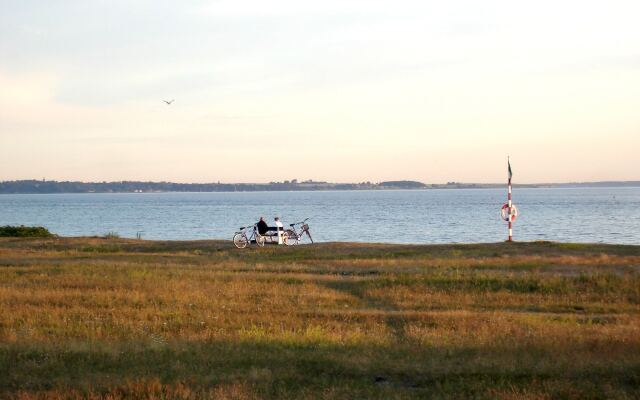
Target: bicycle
[
  {"x": 241, "y": 238},
  {"x": 293, "y": 237}
]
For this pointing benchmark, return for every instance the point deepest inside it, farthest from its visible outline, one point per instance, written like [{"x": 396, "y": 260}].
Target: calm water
[{"x": 610, "y": 215}]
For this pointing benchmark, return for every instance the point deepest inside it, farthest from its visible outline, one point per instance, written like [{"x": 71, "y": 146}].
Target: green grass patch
[{"x": 118, "y": 318}]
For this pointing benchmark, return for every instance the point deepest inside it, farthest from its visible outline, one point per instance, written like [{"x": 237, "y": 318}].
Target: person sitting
[
  {"x": 275, "y": 229},
  {"x": 262, "y": 226},
  {"x": 279, "y": 225}
]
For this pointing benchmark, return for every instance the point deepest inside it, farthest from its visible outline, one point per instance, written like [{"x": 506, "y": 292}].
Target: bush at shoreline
[{"x": 24, "y": 231}]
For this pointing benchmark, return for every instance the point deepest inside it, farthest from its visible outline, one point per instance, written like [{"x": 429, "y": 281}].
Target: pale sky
[{"x": 333, "y": 90}]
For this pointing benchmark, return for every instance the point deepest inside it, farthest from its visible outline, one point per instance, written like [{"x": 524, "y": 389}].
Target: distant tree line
[{"x": 36, "y": 186}]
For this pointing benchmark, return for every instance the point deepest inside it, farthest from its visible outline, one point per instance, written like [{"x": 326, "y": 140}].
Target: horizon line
[{"x": 310, "y": 181}]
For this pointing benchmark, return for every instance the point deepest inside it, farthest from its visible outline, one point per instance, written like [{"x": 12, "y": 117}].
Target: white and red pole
[{"x": 509, "y": 204}]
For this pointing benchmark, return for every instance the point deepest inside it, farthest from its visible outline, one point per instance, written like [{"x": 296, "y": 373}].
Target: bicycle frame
[
  {"x": 249, "y": 238},
  {"x": 304, "y": 228}
]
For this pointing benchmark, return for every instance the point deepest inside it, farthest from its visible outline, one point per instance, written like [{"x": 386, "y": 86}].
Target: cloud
[{"x": 300, "y": 9}]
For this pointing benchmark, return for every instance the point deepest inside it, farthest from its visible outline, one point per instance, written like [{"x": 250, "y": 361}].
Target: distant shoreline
[{"x": 52, "y": 187}]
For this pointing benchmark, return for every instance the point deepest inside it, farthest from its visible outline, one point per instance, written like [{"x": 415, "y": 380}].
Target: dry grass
[{"x": 113, "y": 319}]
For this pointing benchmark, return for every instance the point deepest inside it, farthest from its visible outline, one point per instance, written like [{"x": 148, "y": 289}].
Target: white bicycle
[
  {"x": 247, "y": 235},
  {"x": 293, "y": 236}
]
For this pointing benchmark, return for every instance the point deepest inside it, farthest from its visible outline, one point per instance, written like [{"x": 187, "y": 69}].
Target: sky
[{"x": 336, "y": 90}]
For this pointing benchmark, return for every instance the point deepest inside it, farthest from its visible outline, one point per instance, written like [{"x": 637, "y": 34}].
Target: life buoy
[{"x": 504, "y": 212}]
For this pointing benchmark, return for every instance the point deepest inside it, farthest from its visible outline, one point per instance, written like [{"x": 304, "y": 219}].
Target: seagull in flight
[{"x": 168, "y": 101}]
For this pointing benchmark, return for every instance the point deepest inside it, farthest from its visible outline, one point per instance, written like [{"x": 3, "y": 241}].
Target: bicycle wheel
[
  {"x": 240, "y": 240},
  {"x": 290, "y": 237}
]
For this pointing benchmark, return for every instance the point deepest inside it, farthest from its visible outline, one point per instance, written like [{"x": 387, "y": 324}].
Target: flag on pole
[{"x": 510, "y": 173}]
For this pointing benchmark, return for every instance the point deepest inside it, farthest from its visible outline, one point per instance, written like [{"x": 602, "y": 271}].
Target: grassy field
[{"x": 115, "y": 318}]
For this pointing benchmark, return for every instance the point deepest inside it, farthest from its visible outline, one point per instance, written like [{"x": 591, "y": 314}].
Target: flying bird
[{"x": 168, "y": 101}]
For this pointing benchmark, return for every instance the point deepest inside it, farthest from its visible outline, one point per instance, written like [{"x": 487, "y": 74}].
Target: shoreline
[
  {"x": 355, "y": 244},
  {"x": 540, "y": 245}
]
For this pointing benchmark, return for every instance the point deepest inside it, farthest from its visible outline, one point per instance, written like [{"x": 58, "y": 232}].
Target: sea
[{"x": 584, "y": 215}]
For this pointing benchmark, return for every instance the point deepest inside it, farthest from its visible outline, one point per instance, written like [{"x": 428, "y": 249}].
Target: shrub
[
  {"x": 112, "y": 235},
  {"x": 24, "y": 231}
]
